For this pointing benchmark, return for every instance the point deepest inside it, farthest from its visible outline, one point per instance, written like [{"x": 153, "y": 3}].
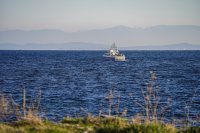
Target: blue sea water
[{"x": 74, "y": 83}]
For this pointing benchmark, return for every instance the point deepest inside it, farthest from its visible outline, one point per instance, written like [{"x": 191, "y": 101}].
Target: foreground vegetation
[
  {"x": 91, "y": 125},
  {"x": 24, "y": 118}
]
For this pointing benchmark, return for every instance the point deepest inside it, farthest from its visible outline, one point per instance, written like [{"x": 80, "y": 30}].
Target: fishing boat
[{"x": 113, "y": 52}]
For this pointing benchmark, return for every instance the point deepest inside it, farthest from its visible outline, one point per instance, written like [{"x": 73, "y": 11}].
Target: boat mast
[{"x": 114, "y": 48}]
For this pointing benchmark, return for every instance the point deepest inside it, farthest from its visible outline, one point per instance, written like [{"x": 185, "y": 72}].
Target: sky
[{"x": 78, "y": 15}]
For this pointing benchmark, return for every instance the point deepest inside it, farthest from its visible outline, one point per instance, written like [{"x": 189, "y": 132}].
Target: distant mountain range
[
  {"x": 54, "y": 46},
  {"x": 126, "y": 37},
  {"x": 179, "y": 46},
  {"x": 94, "y": 46}
]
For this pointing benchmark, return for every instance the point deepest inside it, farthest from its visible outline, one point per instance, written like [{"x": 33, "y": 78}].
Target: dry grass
[
  {"x": 29, "y": 121},
  {"x": 4, "y": 106},
  {"x": 151, "y": 98},
  {"x": 8, "y": 107}
]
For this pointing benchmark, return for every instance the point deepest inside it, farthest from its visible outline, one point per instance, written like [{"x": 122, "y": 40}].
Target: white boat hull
[{"x": 120, "y": 58}]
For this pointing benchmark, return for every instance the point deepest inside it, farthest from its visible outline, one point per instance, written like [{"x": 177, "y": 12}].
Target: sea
[{"x": 79, "y": 83}]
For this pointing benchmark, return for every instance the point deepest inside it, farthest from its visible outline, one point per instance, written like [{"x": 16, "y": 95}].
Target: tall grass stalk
[
  {"x": 151, "y": 100},
  {"x": 4, "y": 106},
  {"x": 24, "y": 102},
  {"x": 110, "y": 98}
]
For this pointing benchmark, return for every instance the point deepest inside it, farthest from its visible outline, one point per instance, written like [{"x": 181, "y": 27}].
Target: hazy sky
[{"x": 76, "y": 15}]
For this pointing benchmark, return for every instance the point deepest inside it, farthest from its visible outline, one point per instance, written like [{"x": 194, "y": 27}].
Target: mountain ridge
[
  {"x": 94, "y": 46},
  {"x": 122, "y": 35}
]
